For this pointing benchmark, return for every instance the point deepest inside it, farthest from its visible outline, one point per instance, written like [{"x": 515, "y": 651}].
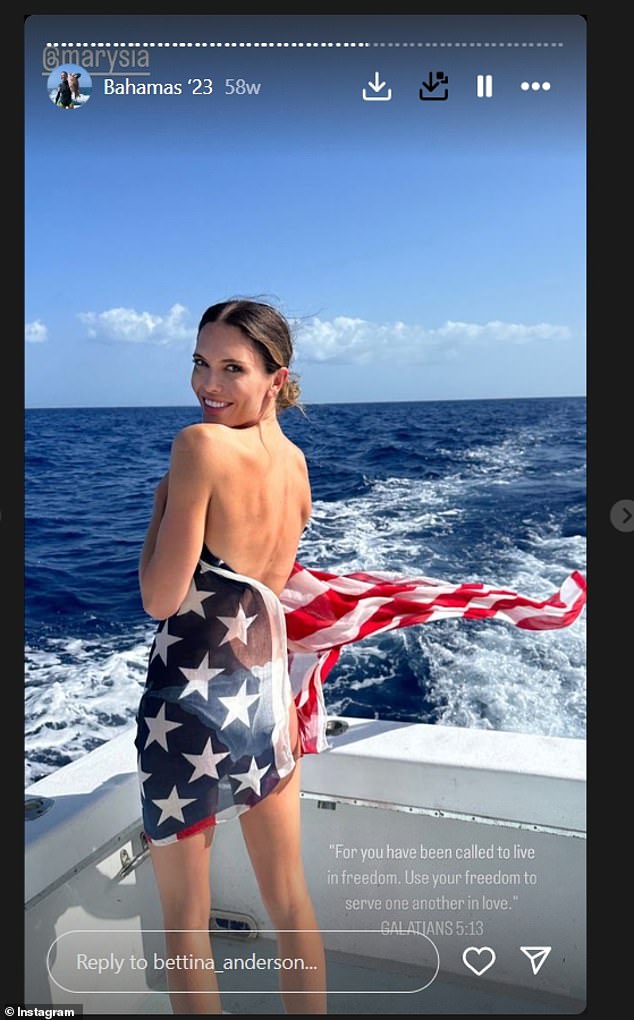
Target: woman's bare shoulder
[
  {"x": 298, "y": 453},
  {"x": 204, "y": 437},
  {"x": 211, "y": 441}
]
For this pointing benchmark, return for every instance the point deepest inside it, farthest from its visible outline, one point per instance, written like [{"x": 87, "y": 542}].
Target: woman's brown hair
[{"x": 270, "y": 333}]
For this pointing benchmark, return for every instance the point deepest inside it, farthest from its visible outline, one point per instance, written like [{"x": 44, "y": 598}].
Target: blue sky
[{"x": 424, "y": 250}]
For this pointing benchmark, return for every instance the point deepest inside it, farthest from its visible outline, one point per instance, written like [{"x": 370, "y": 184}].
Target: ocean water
[
  {"x": 486, "y": 490},
  {"x": 86, "y": 92}
]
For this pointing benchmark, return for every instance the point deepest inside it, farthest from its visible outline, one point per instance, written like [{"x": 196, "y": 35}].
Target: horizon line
[{"x": 311, "y": 403}]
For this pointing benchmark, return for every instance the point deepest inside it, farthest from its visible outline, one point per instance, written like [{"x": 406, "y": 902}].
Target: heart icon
[{"x": 480, "y": 966}]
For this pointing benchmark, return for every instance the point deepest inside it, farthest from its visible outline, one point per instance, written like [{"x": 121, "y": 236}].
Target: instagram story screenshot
[{"x": 305, "y": 514}]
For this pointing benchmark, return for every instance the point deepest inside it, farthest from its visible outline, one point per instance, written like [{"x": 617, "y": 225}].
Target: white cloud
[
  {"x": 126, "y": 325},
  {"x": 357, "y": 341},
  {"x": 35, "y": 332}
]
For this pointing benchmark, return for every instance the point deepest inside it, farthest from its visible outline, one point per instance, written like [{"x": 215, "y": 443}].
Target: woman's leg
[
  {"x": 273, "y": 840},
  {"x": 182, "y": 874}
]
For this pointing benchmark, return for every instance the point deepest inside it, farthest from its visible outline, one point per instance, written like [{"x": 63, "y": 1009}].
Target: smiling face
[{"x": 230, "y": 380}]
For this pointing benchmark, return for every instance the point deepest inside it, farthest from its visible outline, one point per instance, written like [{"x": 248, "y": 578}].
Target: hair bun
[{"x": 289, "y": 393}]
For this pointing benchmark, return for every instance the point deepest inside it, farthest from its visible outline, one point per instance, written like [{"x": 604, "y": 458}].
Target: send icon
[{"x": 537, "y": 955}]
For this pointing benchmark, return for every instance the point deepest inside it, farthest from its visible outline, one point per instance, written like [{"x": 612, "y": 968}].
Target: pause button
[{"x": 484, "y": 86}]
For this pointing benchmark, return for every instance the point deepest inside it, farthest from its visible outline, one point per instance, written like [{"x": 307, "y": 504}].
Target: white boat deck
[{"x": 89, "y": 886}]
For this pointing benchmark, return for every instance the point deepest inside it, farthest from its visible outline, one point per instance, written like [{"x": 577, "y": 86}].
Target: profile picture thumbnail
[{"x": 69, "y": 86}]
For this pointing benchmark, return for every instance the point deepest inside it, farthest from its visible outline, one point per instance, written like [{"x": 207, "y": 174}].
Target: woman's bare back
[{"x": 260, "y": 502}]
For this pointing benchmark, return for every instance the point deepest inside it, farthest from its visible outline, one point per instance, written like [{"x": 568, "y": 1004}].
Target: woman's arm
[
  {"x": 160, "y": 499},
  {"x": 176, "y": 532}
]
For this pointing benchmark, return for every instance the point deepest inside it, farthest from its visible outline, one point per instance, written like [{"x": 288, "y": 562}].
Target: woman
[{"x": 217, "y": 732}]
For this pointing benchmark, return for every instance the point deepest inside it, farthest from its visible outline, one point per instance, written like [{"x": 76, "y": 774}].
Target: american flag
[{"x": 324, "y": 612}]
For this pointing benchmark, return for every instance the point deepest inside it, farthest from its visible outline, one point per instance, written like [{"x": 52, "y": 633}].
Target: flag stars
[
  {"x": 159, "y": 727},
  {"x": 238, "y": 706},
  {"x": 198, "y": 679},
  {"x": 251, "y": 780},
  {"x": 237, "y": 626},
  {"x": 142, "y": 778},
  {"x": 171, "y": 807},
  {"x": 194, "y": 601},
  {"x": 205, "y": 764},
  {"x": 162, "y": 642}
]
